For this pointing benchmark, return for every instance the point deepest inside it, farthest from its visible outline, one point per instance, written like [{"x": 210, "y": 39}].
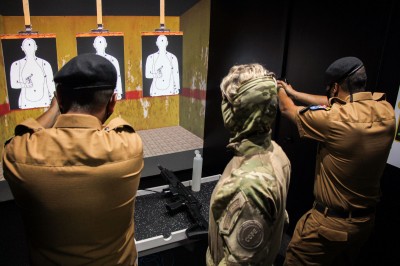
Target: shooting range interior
[{"x": 174, "y": 103}]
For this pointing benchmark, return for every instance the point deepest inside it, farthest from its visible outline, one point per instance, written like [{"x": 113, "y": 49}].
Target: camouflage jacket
[{"x": 247, "y": 208}]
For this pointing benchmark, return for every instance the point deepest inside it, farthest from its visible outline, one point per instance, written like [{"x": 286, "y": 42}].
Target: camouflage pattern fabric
[
  {"x": 247, "y": 208},
  {"x": 255, "y": 179},
  {"x": 251, "y": 112}
]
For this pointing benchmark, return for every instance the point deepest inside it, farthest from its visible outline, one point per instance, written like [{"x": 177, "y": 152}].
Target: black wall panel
[
  {"x": 299, "y": 39},
  {"x": 88, "y": 7},
  {"x": 383, "y": 247},
  {"x": 241, "y": 32}
]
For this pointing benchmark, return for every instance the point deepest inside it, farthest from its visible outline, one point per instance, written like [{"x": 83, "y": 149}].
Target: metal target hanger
[
  {"x": 27, "y": 19},
  {"x": 162, "y": 18},
  {"x": 99, "y": 10}
]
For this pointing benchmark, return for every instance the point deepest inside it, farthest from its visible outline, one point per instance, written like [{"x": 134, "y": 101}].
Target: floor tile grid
[
  {"x": 165, "y": 140},
  {"x": 168, "y": 140}
]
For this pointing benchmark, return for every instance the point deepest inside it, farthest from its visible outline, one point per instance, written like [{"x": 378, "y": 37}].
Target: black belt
[{"x": 342, "y": 214}]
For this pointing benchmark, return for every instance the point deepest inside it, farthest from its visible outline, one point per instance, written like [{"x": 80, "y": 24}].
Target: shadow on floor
[{"x": 13, "y": 246}]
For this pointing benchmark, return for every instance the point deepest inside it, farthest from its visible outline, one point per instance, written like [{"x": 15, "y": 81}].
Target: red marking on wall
[
  {"x": 194, "y": 93},
  {"x": 24, "y": 36},
  {"x": 156, "y": 33},
  {"x": 4, "y": 108},
  {"x": 133, "y": 94},
  {"x": 94, "y": 34}
]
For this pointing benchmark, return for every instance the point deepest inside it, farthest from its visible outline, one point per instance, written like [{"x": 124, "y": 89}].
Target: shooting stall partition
[{"x": 172, "y": 126}]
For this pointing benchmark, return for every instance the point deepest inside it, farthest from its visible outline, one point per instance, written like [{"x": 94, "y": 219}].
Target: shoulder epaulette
[
  {"x": 119, "y": 124},
  {"x": 379, "y": 96},
  {"x": 28, "y": 126}
]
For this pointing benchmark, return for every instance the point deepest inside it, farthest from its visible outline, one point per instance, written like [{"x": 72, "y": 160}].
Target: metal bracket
[
  {"x": 28, "y": 30},
  {"x": 162, "y": 29},
  {"x": 100, "y": 28}
]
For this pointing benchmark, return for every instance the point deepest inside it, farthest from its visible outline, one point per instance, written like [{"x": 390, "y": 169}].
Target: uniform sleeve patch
[
  {"x": 231, "y": 214},
  {"x": 314, "y": 108},
  {"x": 250, "y": 235},
  {"x": 319, "y": 107}
]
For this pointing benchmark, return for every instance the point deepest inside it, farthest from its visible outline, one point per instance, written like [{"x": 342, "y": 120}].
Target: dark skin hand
[
  {"x": 48, "y": 118},
  {"x": 304, "y": 98}
]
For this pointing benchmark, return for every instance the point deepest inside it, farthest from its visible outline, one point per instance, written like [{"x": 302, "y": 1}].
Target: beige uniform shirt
[
  {"x": 76, "y": 185},
  {"x": 355, "y": 140},
  {"x": 247, "y": 209}
]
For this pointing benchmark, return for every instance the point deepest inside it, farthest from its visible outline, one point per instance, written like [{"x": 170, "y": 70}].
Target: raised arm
[
  {"x": 304, "y": 98},
  {"x": 48, "y": 118},
  {"x": 286, "y": 104}
]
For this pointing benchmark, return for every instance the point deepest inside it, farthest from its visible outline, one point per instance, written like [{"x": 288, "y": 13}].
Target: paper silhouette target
[
  {"x": 29, "y": 66},
  {"x": 110, "y": 47},
  {"x": 162, "y": 70}
]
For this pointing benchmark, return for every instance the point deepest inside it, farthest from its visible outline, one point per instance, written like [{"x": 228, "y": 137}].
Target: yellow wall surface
[
  {"x": 144, "y": 113},
  {"x": 195, "y": 24}
]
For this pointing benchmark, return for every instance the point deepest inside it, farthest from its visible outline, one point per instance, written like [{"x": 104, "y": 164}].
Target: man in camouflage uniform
[{"x": 247, "y": 209}]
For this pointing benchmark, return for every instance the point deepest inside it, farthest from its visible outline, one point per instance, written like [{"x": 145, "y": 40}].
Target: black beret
[
  {"x": 87, "y": 71},
  {"x": 341, "y": 69}
]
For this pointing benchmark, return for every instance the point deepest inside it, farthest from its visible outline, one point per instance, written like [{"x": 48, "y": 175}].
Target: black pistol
[{"x": 183, "y": 199}]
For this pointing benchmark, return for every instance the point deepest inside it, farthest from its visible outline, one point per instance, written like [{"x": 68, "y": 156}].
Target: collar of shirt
[
  {"x": 253, "y": 145},
  {"x": 78, "y": 121},
  {"x": 359, "y": 96}
]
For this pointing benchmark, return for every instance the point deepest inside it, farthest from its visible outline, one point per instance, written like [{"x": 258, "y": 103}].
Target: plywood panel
[{"x": 195, "y": 24}]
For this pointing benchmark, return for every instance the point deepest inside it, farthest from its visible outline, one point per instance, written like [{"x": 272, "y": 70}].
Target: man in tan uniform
[
  {"x": 75, "y": 178},
  {"x": 355, "y": 131},
  {"x": 247, "y": 208}
]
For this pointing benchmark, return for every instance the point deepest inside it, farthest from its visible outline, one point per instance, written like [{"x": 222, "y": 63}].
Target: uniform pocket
[
  {"x": 331, "y": 234},
  {"x": 303, "y": 229}
]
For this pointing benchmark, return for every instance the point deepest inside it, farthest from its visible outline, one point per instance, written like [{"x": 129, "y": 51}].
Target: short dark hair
[
  {"x": 84, "y": 100},
  {"x": 356, "y": 82}
]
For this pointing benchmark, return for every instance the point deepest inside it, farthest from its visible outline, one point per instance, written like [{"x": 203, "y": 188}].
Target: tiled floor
[{"x": 167, "y": 140}]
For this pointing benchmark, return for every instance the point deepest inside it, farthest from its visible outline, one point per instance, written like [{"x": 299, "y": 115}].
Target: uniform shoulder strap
[
  {"x": 28, "y": 126},
  {"x": 119, "y": 124},
  {"x": 379, "y": 96}
]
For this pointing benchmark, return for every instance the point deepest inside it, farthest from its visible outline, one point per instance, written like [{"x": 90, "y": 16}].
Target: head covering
[
  {"x": 87, "y": 71},
  {"x": 250, "y": 113},
  {"x": 341, "y": 69}
]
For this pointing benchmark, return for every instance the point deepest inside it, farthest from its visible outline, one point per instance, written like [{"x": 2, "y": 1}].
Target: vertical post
[
  {"x": 162, "y": 17},
  {"x": 99, "y": 14},
  {"x": 27, "y": 15},
  {"x": 162, "y": 14}
]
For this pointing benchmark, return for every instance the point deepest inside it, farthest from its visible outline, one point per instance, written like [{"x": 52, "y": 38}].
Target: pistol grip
[{"x": 174, "y": 207}]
